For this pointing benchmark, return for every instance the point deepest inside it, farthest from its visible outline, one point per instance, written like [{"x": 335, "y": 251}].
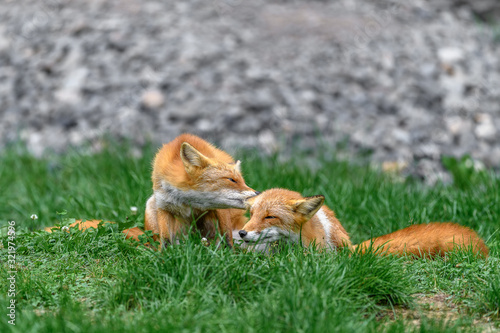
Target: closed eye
[
  {"x": 270, "y": 217},
  {"x": 231, "y": 180}
]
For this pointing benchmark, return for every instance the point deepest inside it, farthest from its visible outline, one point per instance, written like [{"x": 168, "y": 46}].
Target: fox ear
[
  {"x": 309, "y": 205},
  {"x": 192, "y": 157},
  {"x": 237, "y": 166}
]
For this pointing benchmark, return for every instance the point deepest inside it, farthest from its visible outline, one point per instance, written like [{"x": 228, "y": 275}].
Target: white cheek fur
[
  {"x": 256, "y": 247},
  {"x": 272, "y": 234}
]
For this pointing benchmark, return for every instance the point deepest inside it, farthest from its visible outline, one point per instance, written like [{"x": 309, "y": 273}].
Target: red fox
[
  {"x": 192, "y": 180},
  {"x": 280, "y": 214}
]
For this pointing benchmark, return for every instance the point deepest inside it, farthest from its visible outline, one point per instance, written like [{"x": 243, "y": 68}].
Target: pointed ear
[
  {"x": 192, "y": 157},
  {"x": 237, "y": 166},
  {"x": 309, "y": 205}
]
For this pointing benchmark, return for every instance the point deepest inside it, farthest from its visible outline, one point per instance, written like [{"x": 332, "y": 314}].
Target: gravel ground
[{"x": 409, "y": 82}]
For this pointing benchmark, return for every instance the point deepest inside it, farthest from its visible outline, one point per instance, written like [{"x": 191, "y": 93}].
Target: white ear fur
[
  {"x": 192, "y": 157},
  {"x": 309, "y": 205},
  {"x": 237, "y": 166}
]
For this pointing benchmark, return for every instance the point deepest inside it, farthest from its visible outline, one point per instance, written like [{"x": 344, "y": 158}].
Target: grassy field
[{"x": 97, "y": 281}]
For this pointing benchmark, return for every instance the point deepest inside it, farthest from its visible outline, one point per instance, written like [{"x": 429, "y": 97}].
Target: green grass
[{"x": 96, "y": 281}]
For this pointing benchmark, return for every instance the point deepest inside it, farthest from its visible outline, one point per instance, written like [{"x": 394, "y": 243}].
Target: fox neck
[
  {"x": 316, "y": 230},
  {"x": 324, "y": 230}
]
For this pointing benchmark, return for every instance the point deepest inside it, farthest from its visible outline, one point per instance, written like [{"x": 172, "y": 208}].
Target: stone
[
  {"x": 409, "y": 83},
  {"x": 152, "y": 99},
  {"x": 394, "y": 166},
  {"x": 485, "y": 128},
  {"x": 450, "y": 55}
]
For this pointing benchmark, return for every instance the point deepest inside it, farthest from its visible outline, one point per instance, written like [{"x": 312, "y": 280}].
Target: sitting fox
[
  {"x": 279, "y": 214},
  {"x": 192, "y": 181}
]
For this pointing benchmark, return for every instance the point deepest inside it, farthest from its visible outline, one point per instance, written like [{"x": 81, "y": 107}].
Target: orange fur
[
  {"x": 168, "y": 164},
  {"x": 427, "y": 239},
  {"x": 276, "y": 209}
]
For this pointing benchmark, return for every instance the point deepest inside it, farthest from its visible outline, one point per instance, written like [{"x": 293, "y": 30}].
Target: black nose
[
  {"x": 257, "y": 192},
  {"x": 242, "y": 233}
]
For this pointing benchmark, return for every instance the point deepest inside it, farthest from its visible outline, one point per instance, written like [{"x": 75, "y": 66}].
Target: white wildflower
[
  {"x": 469, "y": 163},
  {"x": 34, "y": 217},
  {"x": 133, "y": 210},
  {"x": 65, "y": 228},
  {"x": 204, "y": 241}
]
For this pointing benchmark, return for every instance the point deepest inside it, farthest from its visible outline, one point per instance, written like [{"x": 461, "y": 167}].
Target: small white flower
[
  {"x": 204, "y": 241},
  {"x": 478, "y": 166},
  {"x": 34, "y": 217},
  {"x": 65, "y": 228},
  {"x": 469, "y": 163},
  {"x": 133, "y": 210}
]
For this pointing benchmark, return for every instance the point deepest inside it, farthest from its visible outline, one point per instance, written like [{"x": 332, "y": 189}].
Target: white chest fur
[{"x": 325, "y": 222}]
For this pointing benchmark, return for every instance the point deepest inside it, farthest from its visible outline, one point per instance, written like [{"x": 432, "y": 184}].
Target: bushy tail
[
  {"x": 83, "y": 225},
  {"x": 424, "y": 240}
]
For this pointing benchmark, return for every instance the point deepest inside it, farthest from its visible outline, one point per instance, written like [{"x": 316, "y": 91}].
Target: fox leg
[
  {"x": 225, "y": 225},
  {"x": 163, "y": 224},
  {"x": 151, "y": 218},
  {"x": 169, "y": 227}
]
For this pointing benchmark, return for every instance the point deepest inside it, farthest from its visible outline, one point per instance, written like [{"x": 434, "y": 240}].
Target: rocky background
[{"x": 408, "y": 81}]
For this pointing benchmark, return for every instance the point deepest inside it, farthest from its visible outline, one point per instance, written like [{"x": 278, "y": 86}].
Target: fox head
[
  {"x": 278, "y": 214},
  {"x": 204, "y": 182}
]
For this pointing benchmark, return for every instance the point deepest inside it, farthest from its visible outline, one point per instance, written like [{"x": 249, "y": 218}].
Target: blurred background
[{"x": 405, "y": 81}]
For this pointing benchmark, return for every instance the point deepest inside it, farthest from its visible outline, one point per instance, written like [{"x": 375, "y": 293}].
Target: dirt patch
[
  {"x": 435, "y": 306},
  {"x": 438, "y": 306}
]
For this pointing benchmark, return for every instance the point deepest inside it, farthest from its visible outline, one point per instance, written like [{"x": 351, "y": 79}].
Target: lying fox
[
  {"x": 192, "y": 180},
  {"x": 279, "y": 214}
]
